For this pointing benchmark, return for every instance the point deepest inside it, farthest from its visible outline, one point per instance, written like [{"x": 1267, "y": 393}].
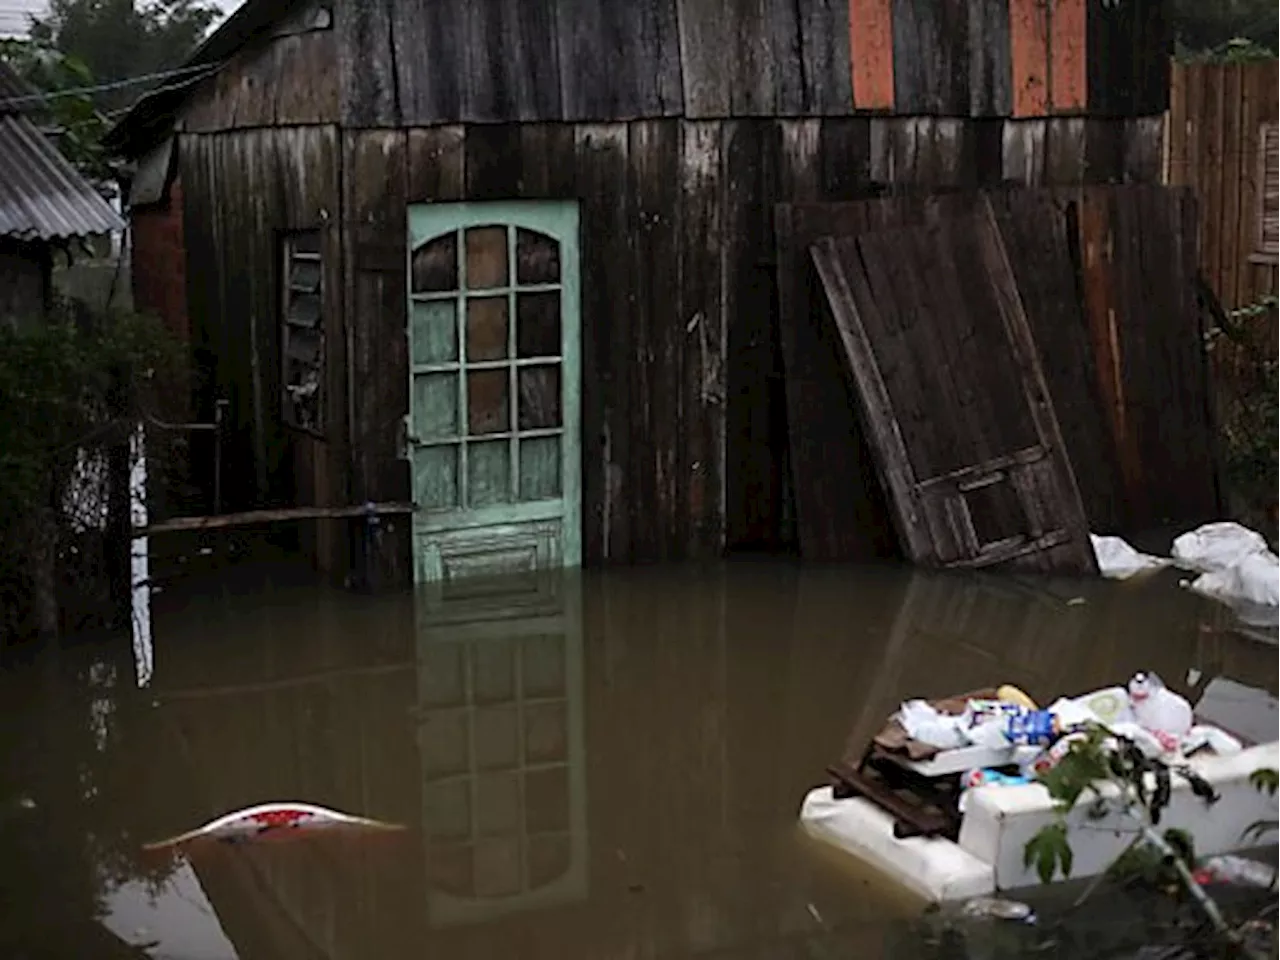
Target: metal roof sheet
[{"x": 42, "y": 196}]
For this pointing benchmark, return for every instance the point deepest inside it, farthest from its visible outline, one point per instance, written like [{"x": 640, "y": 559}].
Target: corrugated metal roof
[{"x": 42, "y": 196}]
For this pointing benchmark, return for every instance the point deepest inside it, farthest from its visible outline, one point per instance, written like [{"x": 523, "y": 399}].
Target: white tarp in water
[
  {"x": 1119, "y": 561},
  {"x": 1236, "y": 566}
]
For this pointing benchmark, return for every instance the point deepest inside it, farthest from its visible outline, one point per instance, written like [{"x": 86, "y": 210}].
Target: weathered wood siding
[
  {"x": 1216, "y": 115},
  {"x": 430, "y": 62},
  {"x": 240, "y": 191},
  {"x": 286, "y": 78},
  {"x": 684, "y": 433}
]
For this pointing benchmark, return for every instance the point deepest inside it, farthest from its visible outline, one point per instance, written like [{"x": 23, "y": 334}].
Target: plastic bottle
[{"x": 1237, "y": 870}]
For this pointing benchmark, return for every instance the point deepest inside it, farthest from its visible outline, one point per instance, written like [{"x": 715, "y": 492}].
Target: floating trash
[
  {"x": 274, "y": 819},
  {"x": 998, "y": 909}
]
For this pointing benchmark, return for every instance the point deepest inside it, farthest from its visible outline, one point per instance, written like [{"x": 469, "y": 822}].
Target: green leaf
[{"x": 1049, "y": 851}]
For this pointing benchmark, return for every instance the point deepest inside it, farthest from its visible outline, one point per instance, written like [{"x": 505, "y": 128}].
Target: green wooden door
[{"x": 494, "y": 421}]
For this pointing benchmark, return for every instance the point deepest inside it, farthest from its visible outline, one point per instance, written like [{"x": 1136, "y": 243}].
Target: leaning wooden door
[
  {"x": 494, "y": 423},
  {"x": 953, "y": 397}
]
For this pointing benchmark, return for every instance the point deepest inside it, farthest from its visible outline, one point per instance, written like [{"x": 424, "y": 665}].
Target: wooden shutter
[{"x": 1267, "y": 245}]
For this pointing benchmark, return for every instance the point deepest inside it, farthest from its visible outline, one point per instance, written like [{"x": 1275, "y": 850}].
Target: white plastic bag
[
  {"x": 1203, "y": 735},
  {"x": 922, "y": 722},
  {"x": 1108, "y": 705},
  {"x": 1217, "y": 546},
  {"x": 1117, "y": 560},
  {"x": 1251, "y": 579}
]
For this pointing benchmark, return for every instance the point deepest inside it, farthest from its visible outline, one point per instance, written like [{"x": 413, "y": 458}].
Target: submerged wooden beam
[{"x": 250, "y": 518}]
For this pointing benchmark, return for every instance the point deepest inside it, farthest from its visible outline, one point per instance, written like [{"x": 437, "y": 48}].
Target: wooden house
[
  {"x": 45, "y": 204},
  {"x": 513, "y": 261}
]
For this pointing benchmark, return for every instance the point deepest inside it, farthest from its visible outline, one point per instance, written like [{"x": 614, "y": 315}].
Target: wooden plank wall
[
  {"x": 429, "y": 62},
  {"x": 1211, "y": 145},
  {"x": 240, "y": 191},
  {"x": 684, "y": 434}
]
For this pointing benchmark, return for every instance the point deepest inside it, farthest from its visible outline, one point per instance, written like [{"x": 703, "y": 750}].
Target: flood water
[{"x": 602, "y": 765}]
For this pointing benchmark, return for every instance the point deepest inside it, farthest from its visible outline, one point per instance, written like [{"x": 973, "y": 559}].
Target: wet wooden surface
[
  {"x": 685, "y": 431},
  {"x": 949, "y": 383},
  {"x": 1102, "y": 376},
  {"x": 586, "y": 60}
]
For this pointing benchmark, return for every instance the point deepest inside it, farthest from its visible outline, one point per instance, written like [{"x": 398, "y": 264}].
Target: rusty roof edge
[{"x": 227, "y": 39}]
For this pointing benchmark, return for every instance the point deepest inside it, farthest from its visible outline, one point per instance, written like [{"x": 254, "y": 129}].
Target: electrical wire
[{"x": 37, "y": 99}]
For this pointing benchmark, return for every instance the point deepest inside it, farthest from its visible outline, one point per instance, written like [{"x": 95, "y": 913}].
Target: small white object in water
[
  {"x": 274, "y": 818},
  {"x": 998, "y": 908}
]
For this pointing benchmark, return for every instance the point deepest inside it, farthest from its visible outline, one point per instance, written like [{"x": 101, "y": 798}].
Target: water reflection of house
[{"x": 564, "y": 815}]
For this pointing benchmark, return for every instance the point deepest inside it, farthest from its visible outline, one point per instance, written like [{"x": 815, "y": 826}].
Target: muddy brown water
[{"x": 601, "y": 765}]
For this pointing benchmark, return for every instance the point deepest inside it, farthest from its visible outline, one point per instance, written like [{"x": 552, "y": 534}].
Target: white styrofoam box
[
  {"x": 999, "y": 821},
  {"x": 961, "y": 759},
  {"x": 935, "y": 869}
]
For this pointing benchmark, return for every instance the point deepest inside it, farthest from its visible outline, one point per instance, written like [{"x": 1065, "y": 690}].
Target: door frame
[{"x": 560, "y": 220}]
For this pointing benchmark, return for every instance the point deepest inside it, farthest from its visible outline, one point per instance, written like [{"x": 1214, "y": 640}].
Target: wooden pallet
[{"x": 920, "y": 806}]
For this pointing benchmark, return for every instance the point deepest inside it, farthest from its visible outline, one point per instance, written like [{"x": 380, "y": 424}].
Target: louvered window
[
  {"x": 1267, "y": 247},
  {"x": 302, "y": 332}
]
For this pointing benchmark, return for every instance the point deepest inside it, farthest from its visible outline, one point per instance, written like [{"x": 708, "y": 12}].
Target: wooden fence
[{"x": 1217, "y": 112}]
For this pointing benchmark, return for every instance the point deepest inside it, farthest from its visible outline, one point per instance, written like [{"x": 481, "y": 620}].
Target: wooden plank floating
[
  {"x": 256, "y": 518},
  {"x": 952, "y": 393}
]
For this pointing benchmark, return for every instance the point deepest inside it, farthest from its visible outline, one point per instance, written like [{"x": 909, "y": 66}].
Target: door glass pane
[
  {"x": 537, "y": 258},
  {"x": 542, "y": 665},
  {"x": 304, "y": 275},
  {"x": 539, "y": 468},
  {"x": 497, "y": 742},
  {"x": 549, "y": 858},
  {"x": 487, "y": 402},
  {"x": 434, "y": 267},
  {"x": 497, "y": 867},
  {"x": 546, "y": 732},
  {"x": 539, "y": 397},
  {"x": 546, "y": 799},
  {"x": 304, "y": 309},
  {"x": 493, "y": 669},
  {"x": 435, "y": 477},
  {"x": 450, "y": 869},
  {"x": 435, "y": 405},
  {"x": 488, "y": 473},
  {"x": 486, "y": 257},
  {"x": 486, "y": 328},
  {"x": 538, "y": 324},
  {"x": 498, "y": 804},
  {"x": 447, "y": 808},
  {"x": 434, "y": 333}
]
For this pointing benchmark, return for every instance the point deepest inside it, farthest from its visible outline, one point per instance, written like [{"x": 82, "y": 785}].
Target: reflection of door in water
[
  {"x": 501, "y": 743},
  {"x": 493, "y": 425}
]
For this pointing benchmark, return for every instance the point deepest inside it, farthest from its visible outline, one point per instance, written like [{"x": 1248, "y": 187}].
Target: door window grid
[
  {"x": 302, "y": 345},
  {"x": 462, "y": 437},
  {"x": 525, "y": 831}
]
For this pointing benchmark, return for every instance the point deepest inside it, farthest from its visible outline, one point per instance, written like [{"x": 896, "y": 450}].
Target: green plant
[
  {"x": 66, "y": 113},
  {"x": 1111, "y": 775},
  {"x": 1242, "y": 347},
  {"x": 72, "y": 388}
]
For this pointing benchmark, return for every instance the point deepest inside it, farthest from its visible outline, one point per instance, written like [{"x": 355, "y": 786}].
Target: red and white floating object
[{"x": 275, "y": 819}]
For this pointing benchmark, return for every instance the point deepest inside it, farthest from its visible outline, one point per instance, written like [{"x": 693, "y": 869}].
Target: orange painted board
[
  {"x": 1068, "y": 75},
  {"x": 1029, "y": 56},
  {"x": 871, "y": 53}
]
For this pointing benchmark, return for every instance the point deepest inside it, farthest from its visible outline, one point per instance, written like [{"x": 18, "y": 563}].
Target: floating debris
[
  {"x": 998, "y": 908},
  {"x": 274, "y": 819}
]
